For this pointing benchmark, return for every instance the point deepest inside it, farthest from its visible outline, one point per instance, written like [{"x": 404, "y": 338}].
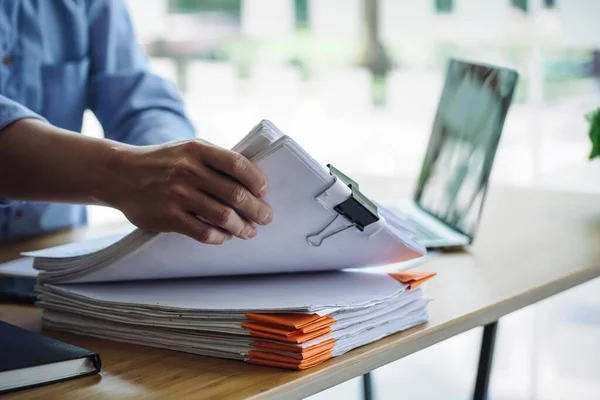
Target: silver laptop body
[{"x": 449, "y": 196}]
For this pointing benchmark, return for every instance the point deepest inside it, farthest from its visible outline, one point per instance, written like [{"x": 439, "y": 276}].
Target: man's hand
[{"x": 190, "y": 187}]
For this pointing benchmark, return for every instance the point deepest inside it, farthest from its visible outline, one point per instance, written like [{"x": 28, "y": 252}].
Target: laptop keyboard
[
  {"x": 424, "y": 233},
  {"x": 421, "y": 232}
]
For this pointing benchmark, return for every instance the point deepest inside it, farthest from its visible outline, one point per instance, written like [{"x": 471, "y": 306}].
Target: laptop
[{"x": 450, "y": 192}]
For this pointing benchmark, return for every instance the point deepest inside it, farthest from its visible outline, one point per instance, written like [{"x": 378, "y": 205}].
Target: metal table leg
[
  {"x": 367, "y": 386},
  {"x": 486, "y": 357},
  {"x": 484, "y": 369}
]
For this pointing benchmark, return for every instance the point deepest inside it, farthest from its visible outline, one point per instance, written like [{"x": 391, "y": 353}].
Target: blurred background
[{"x": 356, "y": 82}]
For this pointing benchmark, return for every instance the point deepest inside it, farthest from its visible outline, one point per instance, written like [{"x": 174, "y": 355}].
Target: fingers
[
  {"x": 215, "y": 212},
  {"x": 193, "y": 227},
  {"x": 221, "y": 191},
  {"x": 238, "y": 197},
  {"x": 238, "y": 167}
]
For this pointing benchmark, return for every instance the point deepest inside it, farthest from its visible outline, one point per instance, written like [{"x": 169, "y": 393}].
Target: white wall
[
  {"x": 480, "y": 22},
  {"x": 580, "y": 21},
  {"x": 406, "y": 21},
  {"x": 267, "y": 18},
  {"x": 336, "y": 18}
]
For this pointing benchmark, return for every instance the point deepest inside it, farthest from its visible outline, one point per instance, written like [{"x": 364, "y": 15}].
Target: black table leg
[
  {"x": 367, "y": 386},
  {"x": 486, "y": 357}
]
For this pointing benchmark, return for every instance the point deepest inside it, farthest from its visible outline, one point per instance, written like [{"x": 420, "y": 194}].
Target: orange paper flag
[
  {"x": 295, "y": 321},
  {"x": 412, "y": 278}
]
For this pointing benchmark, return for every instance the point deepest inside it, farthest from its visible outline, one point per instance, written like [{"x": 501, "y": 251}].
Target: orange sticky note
[
  {"x": 315, "y": 348},
  {"x": 412, "y": 278},
  {"x": 302, "y": 338},
  {"x": 277, "y": 330},
  {"x": 295, "y": 321}
]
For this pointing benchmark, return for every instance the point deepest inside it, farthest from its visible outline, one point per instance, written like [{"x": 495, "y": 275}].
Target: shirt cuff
[
  {"x": 11, "y": 111},
  {"x": 155, "y": 126}
]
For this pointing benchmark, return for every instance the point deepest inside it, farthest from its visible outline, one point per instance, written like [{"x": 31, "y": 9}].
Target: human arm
[{"x": 190, "y": 187}]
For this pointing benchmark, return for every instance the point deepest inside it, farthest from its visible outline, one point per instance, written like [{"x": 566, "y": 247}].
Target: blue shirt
[{"x": 61, "y": 57}]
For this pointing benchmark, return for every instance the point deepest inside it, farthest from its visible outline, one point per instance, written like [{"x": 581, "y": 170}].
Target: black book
[{"x": 28, "y": 359}]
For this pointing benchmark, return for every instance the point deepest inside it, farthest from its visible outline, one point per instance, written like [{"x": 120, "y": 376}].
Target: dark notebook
[{"x": 28, "y": 359}]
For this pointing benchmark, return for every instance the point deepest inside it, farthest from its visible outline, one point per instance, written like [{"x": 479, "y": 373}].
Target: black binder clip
[{"x": 357, "y": 209}]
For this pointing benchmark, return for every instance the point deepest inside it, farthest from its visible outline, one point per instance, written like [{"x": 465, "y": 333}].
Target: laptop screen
[{"x": 461, "y": 150}]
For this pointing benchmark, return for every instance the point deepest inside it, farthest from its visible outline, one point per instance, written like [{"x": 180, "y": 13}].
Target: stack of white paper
[
  {"x": 303, "y": 195},
  {"x": 131, "y": 287},
  {"x": 291, "y": 320}
]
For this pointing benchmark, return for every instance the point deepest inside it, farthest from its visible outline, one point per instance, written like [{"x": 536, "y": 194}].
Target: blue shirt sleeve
[
  {"x": 11, "y": 111},
  {"x": 132, "y": 104}
]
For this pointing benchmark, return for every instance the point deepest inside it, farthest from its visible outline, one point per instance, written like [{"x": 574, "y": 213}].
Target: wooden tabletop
[{"x": 531, "y": 245}]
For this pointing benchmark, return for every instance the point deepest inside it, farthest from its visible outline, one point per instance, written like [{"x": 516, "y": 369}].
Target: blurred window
[
  {"x": 302, "y": 64},
  {"x": 301, "y": 14},
  {"x": 200, "y": 6},
  {"x": 444, "y": 6},
  {"x": 521, "y": 4}
]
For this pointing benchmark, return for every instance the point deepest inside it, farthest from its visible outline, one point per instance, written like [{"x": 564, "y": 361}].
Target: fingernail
[
  {"x": 267, "y": 218},
  {"x": 263, "y": 190},
  {"x": 249, "y": 232}
]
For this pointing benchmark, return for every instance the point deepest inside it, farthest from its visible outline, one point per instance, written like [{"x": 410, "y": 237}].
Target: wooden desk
[{"x": 532, "y": 245}]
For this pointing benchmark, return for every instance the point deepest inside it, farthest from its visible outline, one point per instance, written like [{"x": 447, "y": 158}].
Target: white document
[
  {"x": 22, "y": 267},
  {"x": 194, "y": 315},
  {"x": 290, "y": 292},
  {"x": 302, "y": 195},
  {"x": 230, "y": 303}
]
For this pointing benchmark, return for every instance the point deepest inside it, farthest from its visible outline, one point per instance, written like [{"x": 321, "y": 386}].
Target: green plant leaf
[{"x": 594, "y": 119}]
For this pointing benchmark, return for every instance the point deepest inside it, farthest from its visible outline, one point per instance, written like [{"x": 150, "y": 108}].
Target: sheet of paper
[
  {"x": 78, "y": 248},
  {"x": 221, "y": 344},
  {"x": 296, "y": 179},
  {"x": 260, "y": 137},
  {"x": 20, "y": 267},
  {"x": 270, "y": 292},
  {"x": 279, "y": 247}
]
